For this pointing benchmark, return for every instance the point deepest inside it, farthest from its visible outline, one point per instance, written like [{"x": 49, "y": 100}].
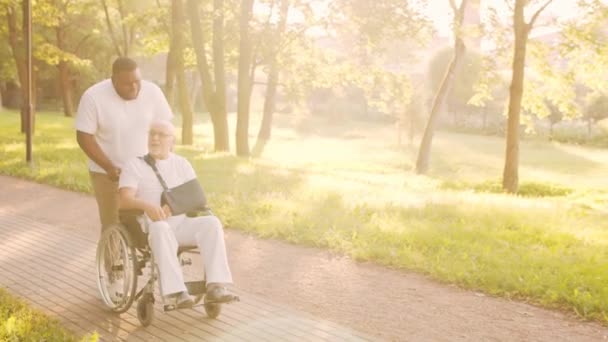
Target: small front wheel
[
  {"x": 145, "y": 310},
  {"x": 213, "y": 310}
]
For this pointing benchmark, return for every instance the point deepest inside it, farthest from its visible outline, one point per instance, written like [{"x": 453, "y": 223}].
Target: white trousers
[{"x": 205, "y": 232}]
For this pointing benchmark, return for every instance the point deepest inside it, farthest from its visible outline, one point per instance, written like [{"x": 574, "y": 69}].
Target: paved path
[{"x": 52, "y": 266}]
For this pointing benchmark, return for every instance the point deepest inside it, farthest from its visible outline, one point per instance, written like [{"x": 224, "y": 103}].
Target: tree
[
  {"x": 272, "y": 81},
  {"x": 177, "y": 59},
  {"x": 244, "y": 80},
  {"x": 596, "y": 110},
  {"x": 59, "y": 45},
  {"x": 424, "y": 152},
  {"x": 213, "y": 87},
  {"x": 554, "y": 117},
  {"x": 521, "y": 30},
  {"x": 17, "y": 44}
]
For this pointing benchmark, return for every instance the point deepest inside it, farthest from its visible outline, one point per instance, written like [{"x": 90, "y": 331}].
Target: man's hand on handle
[{"x": 113, "y": 173}]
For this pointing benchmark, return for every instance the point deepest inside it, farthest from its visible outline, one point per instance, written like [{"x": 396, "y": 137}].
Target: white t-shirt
[
  {"x": 137, "y": 174},
  {"x": 120, "y": 126}
]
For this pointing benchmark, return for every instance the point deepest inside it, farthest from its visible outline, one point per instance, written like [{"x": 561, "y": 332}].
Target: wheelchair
[{"x": 123, "y": 255}]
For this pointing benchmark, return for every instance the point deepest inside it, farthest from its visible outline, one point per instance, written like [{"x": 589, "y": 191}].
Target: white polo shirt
[
  {"x": 120, "y": 126},
  {"x": 138, "y": 175}
]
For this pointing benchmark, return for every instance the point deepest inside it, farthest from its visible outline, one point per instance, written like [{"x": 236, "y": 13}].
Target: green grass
[
  {"x": 18, "y": 322},
  {"x": 357, "y": 196}
]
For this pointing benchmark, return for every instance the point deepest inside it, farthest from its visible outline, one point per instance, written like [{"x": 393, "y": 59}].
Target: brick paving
[{"x": 53, "y": 267}]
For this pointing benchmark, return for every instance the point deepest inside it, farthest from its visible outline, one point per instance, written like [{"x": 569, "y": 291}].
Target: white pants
[{"x": 205, "y": 232}]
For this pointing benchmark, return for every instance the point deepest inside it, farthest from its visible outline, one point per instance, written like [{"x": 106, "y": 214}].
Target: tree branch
[
  {"x": 460, "y": 13},
  {"x": 79, "y": 45},
  {"x": 535, "y": 16},
  {"x": 110, "y": 28},
  {"x": 164, "y": 22},
  {"x": 453, "y": 5},
  {"x": 125, "y": 34}
]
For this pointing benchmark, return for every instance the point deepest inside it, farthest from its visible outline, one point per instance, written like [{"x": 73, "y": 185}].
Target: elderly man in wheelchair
[{"x": 125, "y": 250}]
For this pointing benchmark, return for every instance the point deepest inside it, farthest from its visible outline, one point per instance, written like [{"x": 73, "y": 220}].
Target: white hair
[{"x": 164, "y": 123}]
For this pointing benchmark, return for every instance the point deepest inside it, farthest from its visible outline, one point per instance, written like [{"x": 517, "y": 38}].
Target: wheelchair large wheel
[{"x": 116, "y": 269}]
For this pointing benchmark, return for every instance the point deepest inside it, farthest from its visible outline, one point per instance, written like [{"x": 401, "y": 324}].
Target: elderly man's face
[
  {"x": 127, "y": 84},
  {"x": 160, "y": 141}
]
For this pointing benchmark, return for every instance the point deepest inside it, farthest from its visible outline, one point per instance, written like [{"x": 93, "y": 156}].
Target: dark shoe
[{"x": 218, "y": 294}]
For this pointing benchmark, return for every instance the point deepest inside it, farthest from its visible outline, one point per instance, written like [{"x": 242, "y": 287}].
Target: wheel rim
[{"x": 116, "y": 269}]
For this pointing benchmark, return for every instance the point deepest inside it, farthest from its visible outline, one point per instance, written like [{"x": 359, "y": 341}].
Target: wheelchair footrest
[
  {"x": 196, "y": 287},
  {"x": 232, "y": 299},
  {"x": 169, "y": 307}
]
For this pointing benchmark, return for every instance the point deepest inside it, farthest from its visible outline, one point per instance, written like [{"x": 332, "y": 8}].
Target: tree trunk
[
  {"x": 111, "y": 30},
  {"x": 220, "y": 127},
  {"x": 185, "y": 105},
  {"x": 177, "y": 44},
  {"x": 244, "y": 80},
  {"x": 195, "y": 87},
  {"x": 17, "y": 48},
  {"x": 170, "y": 72},
  {"x": 271, "y": 86},
  {"x": 64, "y": 77},
  {"x": 213, "y": 100},
  {"x": 66, "y": 89},
  {"x": 510, "y": 181},
  {"x": 424, "y": 153},
  {"x": 126, "y": 37},
  {"x": 3, "y": 94}
]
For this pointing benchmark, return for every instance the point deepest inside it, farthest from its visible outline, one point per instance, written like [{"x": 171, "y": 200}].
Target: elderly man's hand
[
  {"x": 167, "y": 211},
  {"x": 156, "y": 213}
]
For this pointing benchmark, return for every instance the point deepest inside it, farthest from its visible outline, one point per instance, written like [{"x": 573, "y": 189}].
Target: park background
[{"x": 464, "y": 140}]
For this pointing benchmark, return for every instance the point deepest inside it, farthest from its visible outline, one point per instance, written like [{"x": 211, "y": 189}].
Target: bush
[
  {"x": 536, "y": 189},
  {"x": 526, "y": 189},
  {"x": 580, "y": 138}
]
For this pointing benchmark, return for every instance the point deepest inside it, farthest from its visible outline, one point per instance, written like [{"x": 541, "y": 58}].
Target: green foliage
[
  {"x": 18, "y": 322},
  {"x": 581, "y": 138},
  {"x": 526, "y": 189},
  {"x": 379, "y": 23},
  {"x": 585, "y": 47}
]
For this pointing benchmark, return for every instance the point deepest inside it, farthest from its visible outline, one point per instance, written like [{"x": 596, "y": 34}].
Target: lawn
[
  {"x": 351, "y": 190},
  {"x": 18, "y": 322}
]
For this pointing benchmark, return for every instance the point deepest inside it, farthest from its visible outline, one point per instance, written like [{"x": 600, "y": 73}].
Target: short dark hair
[{"x": 123, "y": 64}]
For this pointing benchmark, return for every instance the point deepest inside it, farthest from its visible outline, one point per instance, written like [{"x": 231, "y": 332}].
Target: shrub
[{"x": 526, "y": 189}]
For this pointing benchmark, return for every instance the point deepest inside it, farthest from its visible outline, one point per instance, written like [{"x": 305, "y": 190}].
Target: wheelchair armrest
[{"x": 130, "y": 212}]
